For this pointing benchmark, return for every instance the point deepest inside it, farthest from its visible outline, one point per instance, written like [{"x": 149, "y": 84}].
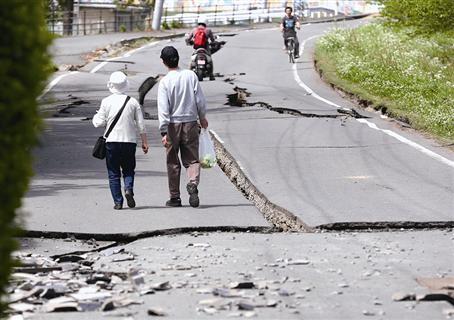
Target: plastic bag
[{"x": 207, "y": 155}]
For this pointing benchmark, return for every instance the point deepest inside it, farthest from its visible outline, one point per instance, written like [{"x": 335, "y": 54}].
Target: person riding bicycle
[
  {"x": 202, "y": 37},
  {"x": 288, "y": 25}
]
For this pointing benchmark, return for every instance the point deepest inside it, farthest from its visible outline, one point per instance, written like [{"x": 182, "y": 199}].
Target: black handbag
[{"x": 99, "y": 150}]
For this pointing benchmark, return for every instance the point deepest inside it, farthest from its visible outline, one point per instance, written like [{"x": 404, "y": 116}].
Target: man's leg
[
  {"x": 128, "y": 166},
  {"x": 211, "y": 66},
  {"x": 190, "y": 159},
  {"x": 113, "y": 169},
  {"x": 173, "y": 162},
  {"x": 297, "y": 46}
]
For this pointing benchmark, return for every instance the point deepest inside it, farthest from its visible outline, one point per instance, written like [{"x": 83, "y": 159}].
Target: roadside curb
[{"x": 90, "y": 56}]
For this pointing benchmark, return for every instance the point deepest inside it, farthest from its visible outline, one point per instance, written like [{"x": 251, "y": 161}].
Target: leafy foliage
[
  {"x": 24, "y": 65},
  {"x": 165, "y": 25},
  {"x": 425, "y": 15}
]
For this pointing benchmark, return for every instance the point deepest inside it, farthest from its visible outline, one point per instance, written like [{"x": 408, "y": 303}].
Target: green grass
[{"x": 409, "y": 76}]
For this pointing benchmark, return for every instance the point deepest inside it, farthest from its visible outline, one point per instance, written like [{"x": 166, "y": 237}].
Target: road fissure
[{"x": 239, "y": 99}]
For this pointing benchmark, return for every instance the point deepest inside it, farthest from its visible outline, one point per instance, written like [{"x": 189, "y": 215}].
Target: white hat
[
  {"x": 202, "y": 20},
  {"x": 118, "y": 82}
]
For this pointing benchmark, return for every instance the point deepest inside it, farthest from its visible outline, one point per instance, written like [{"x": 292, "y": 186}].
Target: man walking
[{"x": 180, "y": 104}]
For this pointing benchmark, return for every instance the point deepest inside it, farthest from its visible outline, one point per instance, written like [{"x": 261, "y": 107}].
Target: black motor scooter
[{"x": 200, "y": 60}]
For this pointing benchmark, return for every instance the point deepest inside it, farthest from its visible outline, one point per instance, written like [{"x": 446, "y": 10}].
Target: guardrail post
[
  {"x": 233, "y": 14},
  {"x": 100, "y": 22},
  {"x": 85, "y": 23},
  {"x": 250, "y": 14},
  {"x": 53, "y": 19},
  {"x": 182, "y": 13},
  {"x": 131, "y": 21}
]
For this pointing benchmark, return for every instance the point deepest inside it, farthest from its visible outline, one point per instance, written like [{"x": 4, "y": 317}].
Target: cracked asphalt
[{"x": 320, "y": 169}]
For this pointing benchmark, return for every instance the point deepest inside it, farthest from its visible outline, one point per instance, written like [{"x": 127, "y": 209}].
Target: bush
[
  {"x": 165, "y": 25},
  {"x": 176, "y": 24},
  {"x": 24, "y": 66},
  {"x": 424, "y": 15}
]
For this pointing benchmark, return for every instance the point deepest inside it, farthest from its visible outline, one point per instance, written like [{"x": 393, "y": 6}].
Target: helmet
[{"x": 202, "y": 20}]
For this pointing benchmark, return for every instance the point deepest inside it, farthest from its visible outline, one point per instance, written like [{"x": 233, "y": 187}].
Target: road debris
[{"x": 156, "y": 312}]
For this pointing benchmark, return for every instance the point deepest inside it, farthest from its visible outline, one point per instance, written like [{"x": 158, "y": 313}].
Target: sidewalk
[{"x": 71, "y": 50}]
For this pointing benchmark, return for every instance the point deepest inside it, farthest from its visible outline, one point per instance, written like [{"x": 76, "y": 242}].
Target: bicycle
[{"x": 291, "y": 49}]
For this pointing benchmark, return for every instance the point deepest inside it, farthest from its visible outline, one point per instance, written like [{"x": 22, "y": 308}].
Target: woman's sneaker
[
  {"x": 193, "y": 195},
  {"x": 173, "y": 202}
]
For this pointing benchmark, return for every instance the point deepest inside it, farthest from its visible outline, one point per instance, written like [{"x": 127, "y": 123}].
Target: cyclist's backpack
[{"x": 200, "y": 37}]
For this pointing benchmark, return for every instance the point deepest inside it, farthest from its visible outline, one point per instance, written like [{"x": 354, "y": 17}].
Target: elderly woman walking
[{"x": 122, "y": 140}]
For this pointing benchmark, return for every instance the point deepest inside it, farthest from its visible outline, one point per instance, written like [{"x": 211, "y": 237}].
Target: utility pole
[{"x": 157, "y": 14}]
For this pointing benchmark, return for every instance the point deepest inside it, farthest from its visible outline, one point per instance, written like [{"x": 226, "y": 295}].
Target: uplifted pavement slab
[
  {"x": 326, "y": 170},
  {"x": 269, "y": 276},
  {"x": 70, "y": 191},
  {"x": 324, "y": 167}
]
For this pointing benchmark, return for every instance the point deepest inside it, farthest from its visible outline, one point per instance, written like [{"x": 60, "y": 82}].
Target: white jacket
[{"x": 129, "y": 122}]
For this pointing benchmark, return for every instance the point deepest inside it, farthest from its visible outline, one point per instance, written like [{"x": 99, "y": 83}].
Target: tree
[
  {"x": 61, "y": 9},
  {"x": 424, "y": 15},
  {"x": 68, "y": 12},
  {"x": 24, "y": 66}
]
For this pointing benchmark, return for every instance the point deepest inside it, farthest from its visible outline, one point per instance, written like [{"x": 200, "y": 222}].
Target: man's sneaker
[
  {"x": 129, "y": 195},
  {"x": 212, "y": 78},
  {"x": 173, "y": 202},
  {"x": 118, "y": 206},
  {"x": 193, "y": 195}
]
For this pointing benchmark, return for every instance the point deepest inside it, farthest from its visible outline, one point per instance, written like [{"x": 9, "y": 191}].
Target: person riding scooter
[{"x": 202, "y": 38}]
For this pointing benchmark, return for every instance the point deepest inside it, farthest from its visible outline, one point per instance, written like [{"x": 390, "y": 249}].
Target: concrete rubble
[{"x": 210, "y": 275}]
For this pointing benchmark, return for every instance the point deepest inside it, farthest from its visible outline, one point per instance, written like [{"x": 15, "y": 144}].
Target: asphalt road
[{"x": 323, "y": 170}]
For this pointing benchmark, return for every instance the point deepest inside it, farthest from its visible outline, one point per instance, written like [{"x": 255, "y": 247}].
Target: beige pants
[{"x": 184, "y": 139}]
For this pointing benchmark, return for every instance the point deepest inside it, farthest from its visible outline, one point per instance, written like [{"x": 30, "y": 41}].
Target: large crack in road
[{"x": 240, "y": 95}]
